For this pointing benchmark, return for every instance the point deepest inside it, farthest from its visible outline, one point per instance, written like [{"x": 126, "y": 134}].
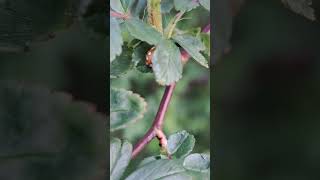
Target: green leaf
[
  {"x": 205, "y": 4},
  {"x": 120, "y": 155},
  {"x": 301, "y": 7},
  {"x": 162, "y": 168},
  {"x": 155, "y": 168},
  {"x": 185, "y": 5},
  {"x": 197, "y": 162},
  {"x": 116, "y": 40},
  {"x": 117, "y": 6},
  {"x": 180, "y": 144},
  {"x": 205, "y": 38},
  {"x": 139, "y": 57},
  {"x": 125, "y": 108},
  {"x": 122, "y": 64},
  {"x": 143, "y": 31},
  {"x": 150, "y": 159},
  {"x": 166, "y": 61},
  {"x": 47, "y": 135},
  {"x": 166, "y": 6},
  {"x": 136, "y": 7},
  {"x": 193, "y": 46}
]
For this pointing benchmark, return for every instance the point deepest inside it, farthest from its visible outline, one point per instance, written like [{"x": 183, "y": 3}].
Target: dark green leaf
[
  {"x": 180, "y": 144},
  {"x": 193, "y": 46},
  {"x": 143, "y": 31},
  {"x": 139, "y": 57},
  {"x": 301, "y": 7},
  {"x": 116, "y": 40},
  {"x": 125, "y": 108},
  {"x": 122, "y": 64},
  {"x": 185, "y": 5},
  {"x": 120, "y": 155},
  {"x": 167, "y": 65}
]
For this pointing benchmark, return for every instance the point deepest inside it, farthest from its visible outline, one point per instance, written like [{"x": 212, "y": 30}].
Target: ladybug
[{"x": 149, "y": 56}]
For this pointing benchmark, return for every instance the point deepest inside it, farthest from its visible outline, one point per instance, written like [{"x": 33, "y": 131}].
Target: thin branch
[
  {"x": 157, "y": 125},
  {"x": 158, "y": 121}
]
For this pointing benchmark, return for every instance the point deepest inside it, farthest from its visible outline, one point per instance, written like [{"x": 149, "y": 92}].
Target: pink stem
[{"x": 159, "y": 119}]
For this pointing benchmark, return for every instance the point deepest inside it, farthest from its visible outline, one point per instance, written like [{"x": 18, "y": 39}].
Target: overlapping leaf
[
  {"x": 185, "y": 5},
  {"x": 116, "y": 40},
  {"x": 166, "y": 6},
  {"x": 122, "y": 64},
  {"x": 116, "y": 5},
  {"x": 193, "y": 46},
  {"x": 125, "y": 108},
  {"x": 143, "y": 31},
  {"x": 180, "y": 144},
  {"x": 302, "y": 7},
  {"x": 167, "y": 65},
  {"x": 120, "y": 154},
  {"x": 139, "y": 58}
]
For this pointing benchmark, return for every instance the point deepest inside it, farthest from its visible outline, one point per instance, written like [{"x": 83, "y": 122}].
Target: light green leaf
[
  {"x": 117, "y": 6},
  {"x": 143, "y": 31},
  {"x": 185, "y": 5},
  {"x": 116, "y": 40},
  {"x": 125, "y": 108},
  {"x": 150, "y": 159},
  {"x": 197, "y": 162},
  {"x": 157, "y": 167},
  {"x": 122, "y": 64},
  {"x": 301, "y": 7},
  {"x": 162, "y": 168},
  {"x": 167, "y": 65},
  {"x": 180, "y": 144},
  {"x": 193, "y": 46},
  {"x": 120, "y": 154},
  {"x": 205, "y": 4}
]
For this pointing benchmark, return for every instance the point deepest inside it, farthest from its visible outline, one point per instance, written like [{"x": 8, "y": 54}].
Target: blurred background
[
  {"x": 189, "y": 108},
  {"x": 266, "y": 96},
  {"x": 49, "y": 47}
]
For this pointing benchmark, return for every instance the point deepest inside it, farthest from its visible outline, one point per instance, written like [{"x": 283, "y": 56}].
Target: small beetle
[{"x": 149, "y": 57}]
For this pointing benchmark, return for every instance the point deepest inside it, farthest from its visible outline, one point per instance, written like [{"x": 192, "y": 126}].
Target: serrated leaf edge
[{"x": 144, "y": 103}]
